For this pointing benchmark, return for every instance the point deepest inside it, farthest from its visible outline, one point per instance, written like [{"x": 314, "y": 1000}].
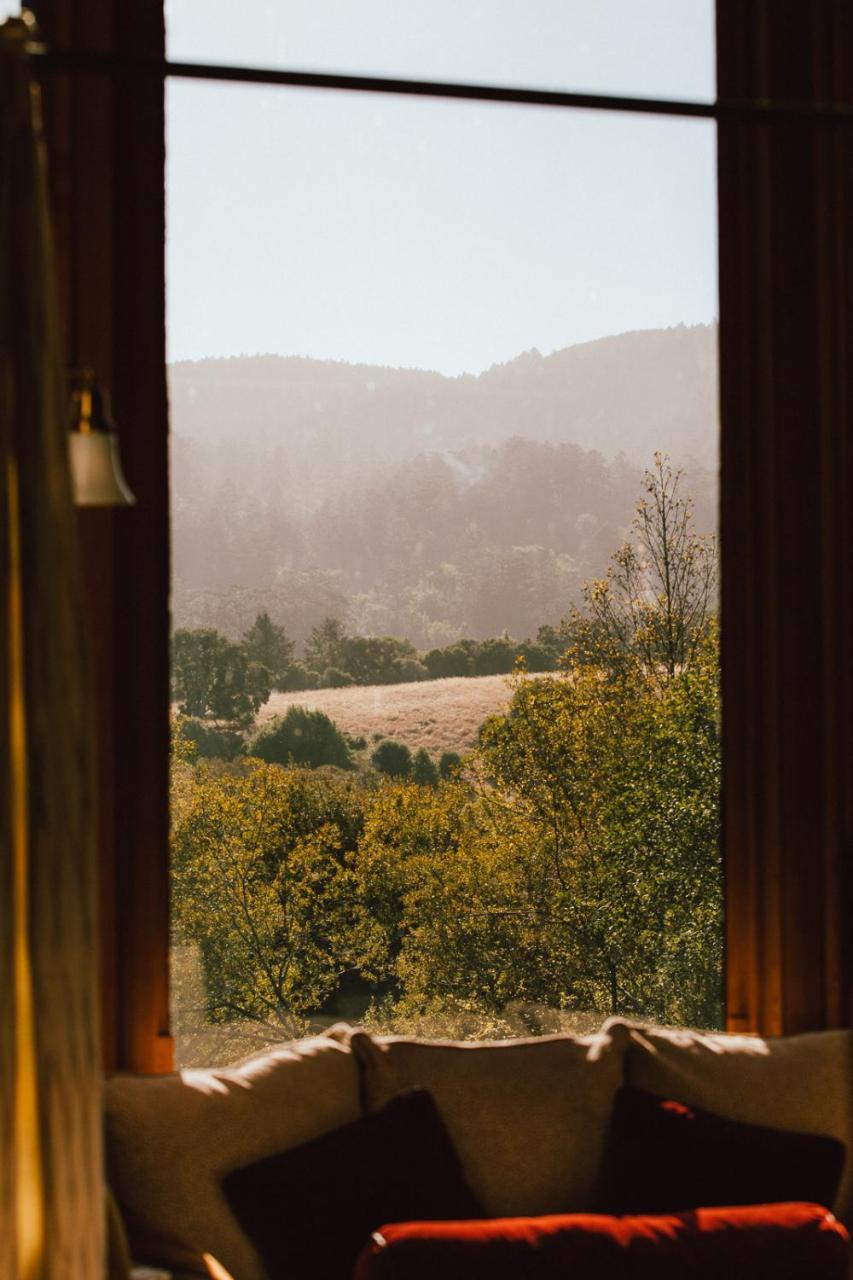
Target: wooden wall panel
[{"x": 107, "y": 152}]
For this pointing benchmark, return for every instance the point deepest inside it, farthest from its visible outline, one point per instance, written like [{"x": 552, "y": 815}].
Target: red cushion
[{"x": 761, "y": 1242}]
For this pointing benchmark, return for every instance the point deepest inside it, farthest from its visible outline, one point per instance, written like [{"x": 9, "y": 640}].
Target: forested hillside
[{"x": 412, "y": 504}]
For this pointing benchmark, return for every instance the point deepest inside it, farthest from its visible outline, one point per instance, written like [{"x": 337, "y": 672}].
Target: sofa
[{"x": 530, "y": 1122}]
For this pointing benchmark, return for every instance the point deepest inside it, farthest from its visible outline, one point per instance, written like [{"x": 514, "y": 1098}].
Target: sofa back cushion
[
  {"x": 764, "y": 1242},
  {"x": 171, "y": 1139},
  {"x": 801, "y": 1083},
  {"x": 528, "y": 1117}
]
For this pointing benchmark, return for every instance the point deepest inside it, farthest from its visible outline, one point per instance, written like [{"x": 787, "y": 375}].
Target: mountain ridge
[{"x": 630, "y": 393}]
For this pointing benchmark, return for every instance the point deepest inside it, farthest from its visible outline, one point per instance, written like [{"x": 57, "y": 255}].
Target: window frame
[{"x": 787, "y": 578}]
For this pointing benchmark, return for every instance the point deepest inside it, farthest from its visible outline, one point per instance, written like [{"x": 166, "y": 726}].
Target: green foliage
[
  {"x": 607, "y": 791},
  {"x": 213, "y": 678},
  {"x": 268, "y": 645},
  {"x": 380, "y": 660},
  {"x": 392, "y": 758},
  {"x": 424, "y": 771},
  {"x": 657, "y": 599},
  {"x": 495, "y": 656},
  {"x": 301, "y": 737},
  {"x": 334, "y": 678},
  {"x": 449, "y": 763},
  {"x": 262, "y": 883},
  {"x": 453, "y": 660},
  {"x": 299, "y": 677},
  {"x": 210, "y": 742},
  {"x": 323, "y": 648}
]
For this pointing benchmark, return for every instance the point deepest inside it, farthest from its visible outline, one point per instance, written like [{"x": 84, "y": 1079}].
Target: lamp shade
[{"x": 97, "y": 479}]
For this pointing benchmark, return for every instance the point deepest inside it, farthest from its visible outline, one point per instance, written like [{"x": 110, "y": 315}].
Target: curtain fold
[{"x": 51, "y": 1199}]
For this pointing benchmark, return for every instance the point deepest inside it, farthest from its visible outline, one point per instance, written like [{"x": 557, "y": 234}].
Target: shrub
[
  {"x": 355, "y": 742},
  {"x": 449, "y": 763},
  {"x": 495, "y": 657},
  {"x": 424, "y": 771},
  {"x": 212, "y": 743},
  {"x": 334, "y": 678},
  {"x": 299, "y": 676},
  {"x": 392, "y": 758},
  {"x": 408, "y": 670},
  {"x": 301, "y": 737}
]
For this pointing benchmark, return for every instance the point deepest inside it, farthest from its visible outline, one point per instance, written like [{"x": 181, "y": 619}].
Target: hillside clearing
[{"x": 440, "y": 715}]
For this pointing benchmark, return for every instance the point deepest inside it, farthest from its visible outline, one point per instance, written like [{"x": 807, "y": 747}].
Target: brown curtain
[
  {"x": 786, "y": 356},
  {"x": 50, "y": 1176}
]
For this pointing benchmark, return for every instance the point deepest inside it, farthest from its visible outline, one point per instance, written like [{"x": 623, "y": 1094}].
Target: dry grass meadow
[{"x": 440, "y": 715}]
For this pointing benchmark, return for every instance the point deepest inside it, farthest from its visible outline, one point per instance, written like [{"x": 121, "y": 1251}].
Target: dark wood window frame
[{"x": 786, "y": 294}]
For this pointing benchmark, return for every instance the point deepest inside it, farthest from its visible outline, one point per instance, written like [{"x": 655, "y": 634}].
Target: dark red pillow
[
  {"x": 764, "y": 1242},
  {"x": 663, "y": 1156},
  {"x": 308, "y": 1211}
]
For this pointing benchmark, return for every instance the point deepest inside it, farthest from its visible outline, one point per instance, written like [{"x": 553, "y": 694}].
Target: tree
[
  {"x": 301, "y": 737},
  {"x": 453, "y": 660},
  {"x": 449, "y": 763},
  {"x": 334, "y": 678},
  {"x": 424, "y": 772},
  {"x": 268, "y": 644},
  {"x": 214, "y": 679},
  {"x": 607, "y": 789},
  {"x": 586, "y": 874},
  {"x": 262, "y": 884},
  {"x": 659, "y": 593},
  {"x": 324, "y": 646},
  {"x": 380, "y": 660},
  {"x": 392, "y": 758},
  {"x": 496, "y": 656}
]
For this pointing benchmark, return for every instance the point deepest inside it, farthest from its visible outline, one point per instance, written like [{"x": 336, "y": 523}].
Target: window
[{"x": 422, "y": 355}]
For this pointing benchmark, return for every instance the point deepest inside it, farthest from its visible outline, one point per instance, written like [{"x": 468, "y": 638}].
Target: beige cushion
[
  {"x": 528, "y": 1117},
  {"x": 171, "y": 1138},
  {"x": 802, "y": 1083}
]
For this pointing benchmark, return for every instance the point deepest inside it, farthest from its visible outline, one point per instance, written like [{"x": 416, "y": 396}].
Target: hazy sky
[{"x": 436, "y": 235}]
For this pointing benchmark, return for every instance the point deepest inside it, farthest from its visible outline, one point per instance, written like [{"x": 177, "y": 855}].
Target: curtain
[
  {"x": 786, "y": 407},
  {"x": 51, "y": 1198}
]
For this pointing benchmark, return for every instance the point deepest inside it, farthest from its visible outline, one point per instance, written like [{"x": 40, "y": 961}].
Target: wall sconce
[{"x": 97, "y": 479}]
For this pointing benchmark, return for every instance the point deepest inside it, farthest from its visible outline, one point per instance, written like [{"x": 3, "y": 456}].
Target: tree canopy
[
  {"x": 301, "y": 737},
  {"x": 211, "y": 677}
]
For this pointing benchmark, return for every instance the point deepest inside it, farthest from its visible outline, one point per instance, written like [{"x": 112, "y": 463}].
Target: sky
[{"x": 436, "y": 235}]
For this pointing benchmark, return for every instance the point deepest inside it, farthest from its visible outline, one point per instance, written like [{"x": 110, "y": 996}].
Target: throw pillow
[
  {"x": 170, "y": 1140},
  {"x": 801, "y": 1083},
  {"x": 528, "y": 1117},
  {"x": 665, "y": 1156},
  {"x": 309, "y": 1211},
  {"x": 765, "y": 1242}
]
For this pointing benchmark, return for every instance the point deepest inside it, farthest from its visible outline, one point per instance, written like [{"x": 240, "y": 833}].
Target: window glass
[
  {"x": 658, "y": 48},
  {"x": 444, "y": 415}
]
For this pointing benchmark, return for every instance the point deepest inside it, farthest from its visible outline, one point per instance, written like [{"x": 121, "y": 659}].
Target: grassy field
[{"x": 441, "y": 715}]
